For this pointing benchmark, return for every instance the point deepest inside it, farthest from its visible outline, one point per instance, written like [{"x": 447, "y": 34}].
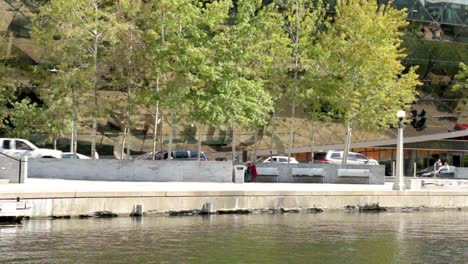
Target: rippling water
[{"x": 330, "y": 237}]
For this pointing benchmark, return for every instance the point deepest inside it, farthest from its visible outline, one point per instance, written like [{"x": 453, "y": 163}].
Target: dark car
[
  {"x": 444, "y": 172},
  {"x": 176, "y": 155}
]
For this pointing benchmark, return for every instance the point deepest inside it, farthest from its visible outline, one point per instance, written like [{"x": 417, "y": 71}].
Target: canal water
[{"x": 329, "y": 237}]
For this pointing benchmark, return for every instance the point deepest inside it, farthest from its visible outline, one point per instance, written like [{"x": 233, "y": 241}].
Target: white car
[
  {"x": 70, "y": 155},
  {"x": 17, "y": 147},
  {"x": 336, "y": 157},
  {"x": 277, "y": 159}
]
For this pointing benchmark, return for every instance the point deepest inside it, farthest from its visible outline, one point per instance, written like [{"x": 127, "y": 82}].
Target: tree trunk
[
  {"x": 200, "y": 128},
  {"x": 312, "y": 145},
  {"x": 347, "y": 145},
  {"x": 122, "y": 149},
  {"x": 272, "y": 132},
  {"x": 296, "y": 68},
  {"x": 74, "y": 121},
  {"x": 156, "y": 121},
  {"x": 255, "y": 146},
  {"x": 129, "y": 101},
  {"x": 291, "y": 132},
  {"x": 171, "y": 136},
  {"x": 95, "y": 55},
  {"x": 233, "y": 143}
]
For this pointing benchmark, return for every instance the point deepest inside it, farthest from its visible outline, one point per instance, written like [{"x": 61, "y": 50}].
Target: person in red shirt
[{"x": 250, "y": 172}]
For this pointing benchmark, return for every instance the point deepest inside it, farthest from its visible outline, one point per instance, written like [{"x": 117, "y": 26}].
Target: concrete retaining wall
[
  {"x": 183, "y": 171},
  {"x": 131, "y": 170},
  {"x": 461, "y": 173},
  {"x": 75, "y": 204},
  {"x": 377, "y": 175}
]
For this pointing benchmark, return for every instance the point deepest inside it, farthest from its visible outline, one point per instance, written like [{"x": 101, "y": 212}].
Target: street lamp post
[{"x": 399, "y": 183}]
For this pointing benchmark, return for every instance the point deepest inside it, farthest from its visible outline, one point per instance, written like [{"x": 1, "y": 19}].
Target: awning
[
  {"x": 460, "y": 2},
  {"x": 386, "y": 142}
]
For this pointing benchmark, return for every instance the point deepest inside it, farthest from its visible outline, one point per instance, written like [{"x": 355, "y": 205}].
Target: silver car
[{"x": 336, "y": 157}]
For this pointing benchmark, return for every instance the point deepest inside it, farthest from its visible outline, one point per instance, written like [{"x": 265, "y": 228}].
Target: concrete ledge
[
  {"x": 74, "y": 198},
  {"x": 86, "y": 203},
  {"x": 4, "y": 181},
  {"x": 438, "y": 184}
]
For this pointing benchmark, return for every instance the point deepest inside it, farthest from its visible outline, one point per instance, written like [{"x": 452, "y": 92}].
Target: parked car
[
  {"x": 444, "y": 172},
  {"x": 176, "y": 155},
  {"x": 336, "y": 157},
  {"x": 71, "y": 155},
  {"x": 277, "y": 159},
  {"x": 17, "y": 147}
]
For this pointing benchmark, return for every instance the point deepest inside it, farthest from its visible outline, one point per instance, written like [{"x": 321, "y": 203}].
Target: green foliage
[
  {"x": 223, "y": 63},
  {"x": 57, "y": 116},
  {"x": 209, "y": 61},
  {"x": 461, "y": 78},
  {"x": 301, "y": 23},
  {"x": 27, "y": 119},
  {"x": 170, "y": 38},
  {"x": 79, "y": 35},
  {"x": 7, "y": 83},
  {"x": 50, "y": 121},
  {"x": 229, "y": 88},
  {"x": 362, "y": 79}
]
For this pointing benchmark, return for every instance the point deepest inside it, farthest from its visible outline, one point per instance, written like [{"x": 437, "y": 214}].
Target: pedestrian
[
  {"x": 437, "y": 164},
  {"x": 250, "y": 172}
]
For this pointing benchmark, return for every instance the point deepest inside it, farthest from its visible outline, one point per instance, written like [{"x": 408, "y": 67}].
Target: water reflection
[{"x": 331, "y": 237}]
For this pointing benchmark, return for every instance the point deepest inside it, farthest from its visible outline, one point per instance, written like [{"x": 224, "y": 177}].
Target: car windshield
[
  {"x": 319, "y": 155},
  {"x": 181, "y": 154},
  {"x": 194, "y": 154},
  {"x": 69, "y": 156},
  {"x": 145, "y": 156},
  {"x": 177, "y": 154},
  {"x": 262, "y": 159}
]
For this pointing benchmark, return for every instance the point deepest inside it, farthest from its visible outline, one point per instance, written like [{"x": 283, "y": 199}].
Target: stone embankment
[{"x": 63, "y": 199}]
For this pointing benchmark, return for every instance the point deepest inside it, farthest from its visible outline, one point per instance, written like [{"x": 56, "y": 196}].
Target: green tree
[
  {"x": 169, "y": 37},
  {"x": 129, "y": 69},
  {"x": 56, "y": 119},
  {"x": 362, "y": 78},
  {"x": 27, "y": 119},
  {"x": 302, "y": 19},
  {"x": 77, "y": 35},
  {"x": 462, "y": 78},
  {"x": 226, "y": 88},
  {"x": 7, "y": 83}
]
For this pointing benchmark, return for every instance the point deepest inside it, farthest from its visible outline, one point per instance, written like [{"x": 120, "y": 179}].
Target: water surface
[{"x": 329, "y": 237}]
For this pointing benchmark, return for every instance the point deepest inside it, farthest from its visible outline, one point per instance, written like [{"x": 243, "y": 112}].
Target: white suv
[
  {"x": 277, "y": 159},
  {"x": 336, "y": 157}
]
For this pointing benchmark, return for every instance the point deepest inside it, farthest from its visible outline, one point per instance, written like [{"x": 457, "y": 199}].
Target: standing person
[
  {"x": 250, "y": 172},
  {"x": 437, "y": 164},
  {"x": 253, "y": 168}
]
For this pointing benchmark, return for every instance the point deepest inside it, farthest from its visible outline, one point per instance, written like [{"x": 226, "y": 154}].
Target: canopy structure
[{"x": 460, "y": 2}]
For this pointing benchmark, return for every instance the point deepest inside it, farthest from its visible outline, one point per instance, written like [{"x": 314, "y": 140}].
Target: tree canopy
[
  {"x": 221, "y": 63},
  {"x": 362, "y": 78}
]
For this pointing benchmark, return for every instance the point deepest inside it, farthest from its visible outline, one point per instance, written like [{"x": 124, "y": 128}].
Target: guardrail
[{"x": 21, "y": 167}]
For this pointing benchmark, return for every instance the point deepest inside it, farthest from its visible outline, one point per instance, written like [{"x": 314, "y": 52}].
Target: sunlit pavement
[{"x": 53, "y": 185}]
